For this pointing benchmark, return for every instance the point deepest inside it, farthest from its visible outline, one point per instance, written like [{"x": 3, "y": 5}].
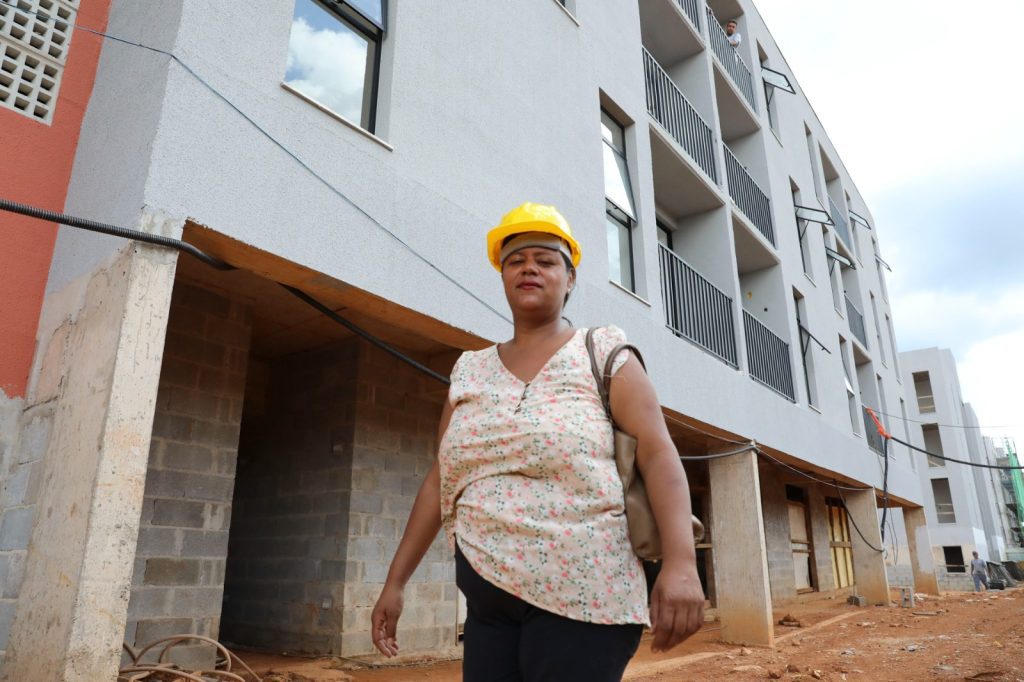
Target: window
[
  {"x": 664, "y": 235},
  {"x": 954, "y": 558},
  {"x": 851, "y": 395},
  {"x": 806, "y": 355},
  {"x": 943, "y": 501},
  {"x": 620, "y": 213},
  {"x": 772, "y": 80},
  {"x": 800, "y": 541},
  {"x": 835, "y": 278},
  {"x": 334, "y": 56},
  {"x": 815, "y": 161},
  {"x": 892, "y": 345},
  {"x": 933, "y": 443},
  {"x": 33, "y": 50},
  {"x": 801, "y": 231},
  {"x": 923, "y": 389},
  {"x": 878, "y": 329}
]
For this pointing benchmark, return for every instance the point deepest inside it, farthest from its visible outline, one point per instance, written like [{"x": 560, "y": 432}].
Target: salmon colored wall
[{"x": 35, "y": 164}]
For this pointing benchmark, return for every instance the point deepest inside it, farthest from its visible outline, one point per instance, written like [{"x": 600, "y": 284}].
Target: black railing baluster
[
  {"x": 677, "y": 116},
  {"x": 768, "y": 358},
  {"x": 700, "y": 309}
]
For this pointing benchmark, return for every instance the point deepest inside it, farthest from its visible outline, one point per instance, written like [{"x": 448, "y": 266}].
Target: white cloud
[
  {"x": 329, "y": 66},
  {"x": 959, "y": 321},
  {"x": 907, "y": 89},
  {"x": 992, "y": 378}
]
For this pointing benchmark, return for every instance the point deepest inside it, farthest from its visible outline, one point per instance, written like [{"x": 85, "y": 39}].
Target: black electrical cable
[
  {"x": 952, "y": 426},
  {"x": 303, "y": 296},
  {"x": 185, "y": 247},
  {"x": 112, "y": 230},
  {"x": 885, "y": 487},
  {"x": 807, "y": 475},
  {"x": 958, "y": 461},
  {"x": 852, "y": 521},
  {"x": 278, "y": 144}
]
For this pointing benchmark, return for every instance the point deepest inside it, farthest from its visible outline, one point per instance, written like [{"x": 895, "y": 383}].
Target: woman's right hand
[{"x": 384, "y": 619}]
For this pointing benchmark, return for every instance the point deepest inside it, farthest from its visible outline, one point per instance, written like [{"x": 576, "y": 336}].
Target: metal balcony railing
[
  {"x": 842, "y": 223},
  {"x": 856, "y": 319},
  {"x": 749, "y": 196},
  {"x": 730, "y": 59},
  {"x": 871, "y": 434},
  {"x": 667, "y": 105},
  {"x": 692, "y": 11},
  {"x": 695, "y": 308},
  {"x": 768, "y": 357}
]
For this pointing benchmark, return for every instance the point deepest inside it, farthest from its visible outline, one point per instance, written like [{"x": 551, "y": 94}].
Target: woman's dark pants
[{"x": 507, "y": 639}]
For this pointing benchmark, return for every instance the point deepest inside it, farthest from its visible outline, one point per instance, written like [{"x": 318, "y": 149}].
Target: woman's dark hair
[{"x": 572, "y": 271}]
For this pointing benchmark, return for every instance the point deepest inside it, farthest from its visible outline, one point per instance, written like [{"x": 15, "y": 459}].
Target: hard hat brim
[{"x": 497, "y": 236}]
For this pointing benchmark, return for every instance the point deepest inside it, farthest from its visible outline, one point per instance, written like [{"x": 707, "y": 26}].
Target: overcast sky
[{"x": 924, "y": 103}]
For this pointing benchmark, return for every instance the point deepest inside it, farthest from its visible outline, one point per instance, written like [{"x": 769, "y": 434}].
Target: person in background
[
  {"x": 732, "y": 34},
  {"x": 979, "y": 571},
  {"x": 526, "y": 488}
]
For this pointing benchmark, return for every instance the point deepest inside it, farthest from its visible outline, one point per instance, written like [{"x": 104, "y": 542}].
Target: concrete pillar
[
  {"x": 868, "y": 563},
  {"x": 100, "y": 368},
  {"x": 921, "y": 560},
  {"x": 741, "y": 558}
]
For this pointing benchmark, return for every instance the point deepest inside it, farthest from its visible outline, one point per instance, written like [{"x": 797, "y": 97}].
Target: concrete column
[
  {"x": 741, "y": 559},
  {"x": 868, "y": 563},
  {"x": 100, "y": 368},
  {"x": 921, "y": 560}
]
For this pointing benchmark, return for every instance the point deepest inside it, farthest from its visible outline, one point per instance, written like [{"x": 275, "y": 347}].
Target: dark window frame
[{"x": 374, "y": 33}]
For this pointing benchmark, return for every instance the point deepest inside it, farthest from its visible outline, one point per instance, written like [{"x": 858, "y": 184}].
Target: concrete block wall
[
  {"x": 287, "y": 551},
  {"x": 900, "y": 575},
  {"x": 19, "y": 488},
  {"x": 776, "y": 535},
  {"x": 178, "y": 576},
  {"x": 334, "y": 447},
  {"x": 397, "y": 412},
  {"x": 956, "y": 582}
]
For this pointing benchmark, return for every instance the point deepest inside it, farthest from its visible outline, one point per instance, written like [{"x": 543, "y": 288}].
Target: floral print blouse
[{"x": 529, "y": 485}]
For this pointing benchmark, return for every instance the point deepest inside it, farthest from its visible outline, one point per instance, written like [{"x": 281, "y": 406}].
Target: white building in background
[
  {"x": 720, "y": 229},
  {"x": 963, "y": 509}
]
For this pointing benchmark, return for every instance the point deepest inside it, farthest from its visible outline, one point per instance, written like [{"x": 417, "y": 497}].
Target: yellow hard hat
[{"x": 531, "y": 217}]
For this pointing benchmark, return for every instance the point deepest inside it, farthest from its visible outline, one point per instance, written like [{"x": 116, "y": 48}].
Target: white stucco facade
[{"x": 481, "y": 108}]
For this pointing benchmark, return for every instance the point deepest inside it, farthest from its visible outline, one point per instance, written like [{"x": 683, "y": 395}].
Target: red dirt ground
[{"x": 959, "y": 636}]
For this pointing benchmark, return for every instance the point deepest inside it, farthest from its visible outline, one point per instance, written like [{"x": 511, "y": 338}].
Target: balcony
[
  {"x": 856, "y": 319},
  {"x": 691, "y": 8},
  {"x": 695, "y": 308},
  {"x": 871, "y": 434},
  {"x": 749, "y": 197},
  {"x": 842, "y": 223},
  {"x": 667, "y": 105},
  {"x": 768, "y": 358},
  {"x": 730, "y": 59}
]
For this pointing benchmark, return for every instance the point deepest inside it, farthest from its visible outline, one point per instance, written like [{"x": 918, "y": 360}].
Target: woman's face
[{"x": 536, "y": 280}]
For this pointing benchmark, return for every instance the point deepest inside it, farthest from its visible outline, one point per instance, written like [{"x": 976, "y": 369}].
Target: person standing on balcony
[
  {"x": 979, "y": 571},
  {"x": 526, "y": 488},
  {"x": 732, "y": 34}
]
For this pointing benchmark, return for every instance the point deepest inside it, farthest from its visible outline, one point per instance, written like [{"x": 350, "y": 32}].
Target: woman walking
[{"x": 526, "y": 488}]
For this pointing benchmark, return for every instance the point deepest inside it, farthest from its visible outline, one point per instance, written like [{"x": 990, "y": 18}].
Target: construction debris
[{"x": 165, "y": 671}]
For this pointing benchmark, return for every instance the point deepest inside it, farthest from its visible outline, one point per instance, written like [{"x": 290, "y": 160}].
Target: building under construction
[{"x": 193, "y": 449}]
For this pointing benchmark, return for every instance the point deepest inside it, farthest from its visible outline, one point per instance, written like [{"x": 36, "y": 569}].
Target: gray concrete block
[
  {"x": 192, "y": 456},
  {"x": 150, "y": 630},
  {"x": 200, "y": 543},
  {"x": 194, "y": 486},
  {"x": 365, "y": 549},
  {"x": 195, "y": 602},
  {"x": 163, "y": 571},
  {"x": 382, "y": 527},
  {"x": 34, "y": 438},
  {"x": 16, "y": 528},
  {"x": 179, "y": 513},
  {"x": 15, "y": 486},
  {"x": 158, "y": 542},
  {"x": 7, "y": 609},
  {"x": 148, "y": 602},
  {"x": 12, "y": 572},
  {"x": 366, "y": 503}
]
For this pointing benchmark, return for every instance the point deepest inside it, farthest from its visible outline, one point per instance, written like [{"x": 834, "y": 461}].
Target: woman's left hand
[{"x": 677, "y": 605}]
